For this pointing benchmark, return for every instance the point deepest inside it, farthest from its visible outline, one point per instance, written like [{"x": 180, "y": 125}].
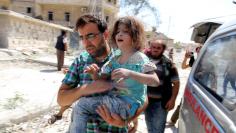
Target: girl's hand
[
  {"x": 92, "y": 69},
  {"x": 120, "y": 73}
]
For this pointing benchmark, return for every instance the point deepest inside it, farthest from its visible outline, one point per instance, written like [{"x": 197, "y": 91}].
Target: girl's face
[{"x": 123, "y": 38}]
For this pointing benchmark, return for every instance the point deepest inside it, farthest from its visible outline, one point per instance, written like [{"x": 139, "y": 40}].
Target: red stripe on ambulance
[{"x": 201, "y": 115}]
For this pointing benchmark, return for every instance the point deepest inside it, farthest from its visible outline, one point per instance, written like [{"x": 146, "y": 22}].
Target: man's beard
[
  {"x": 158, "y": 56},
  {"x": 99, "y": 52}
]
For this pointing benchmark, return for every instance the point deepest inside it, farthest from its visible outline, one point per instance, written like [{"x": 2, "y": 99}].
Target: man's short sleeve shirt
[{"x": 76, "y": 77}]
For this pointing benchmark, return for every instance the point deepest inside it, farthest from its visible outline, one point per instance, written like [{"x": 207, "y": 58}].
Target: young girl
[{"x": 129, "y": 71}]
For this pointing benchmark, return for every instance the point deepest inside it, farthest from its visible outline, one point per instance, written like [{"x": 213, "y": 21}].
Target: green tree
[{"x": 177, "y": 45}]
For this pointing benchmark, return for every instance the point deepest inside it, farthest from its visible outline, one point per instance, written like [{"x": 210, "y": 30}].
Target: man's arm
[
  {"x": 175, "y": 89},
  {"x": 67, "y": 95},
  {"x": 66, "y": 46},
  {"x": 65, "y": 42},
  {"x": 184, "y": 63}
]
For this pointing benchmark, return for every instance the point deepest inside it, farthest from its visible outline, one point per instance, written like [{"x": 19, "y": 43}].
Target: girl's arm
[{"x": 150, "y": 79}]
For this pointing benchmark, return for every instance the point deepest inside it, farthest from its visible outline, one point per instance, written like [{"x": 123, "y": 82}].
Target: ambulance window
[{"x": 216, "y": 71}]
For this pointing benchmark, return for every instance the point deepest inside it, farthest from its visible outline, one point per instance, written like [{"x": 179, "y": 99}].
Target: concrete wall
[
  {"x": 21, "y": 7},
  {"x": 18, "y": 31},
  {"x": 5, "y": 3},
  {"x": 59, "y": 13},
  {"x": 40, "y": 9},
  {"x": 74, "y": 7}
]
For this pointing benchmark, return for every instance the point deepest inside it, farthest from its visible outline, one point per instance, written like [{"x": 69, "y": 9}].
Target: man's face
[
  {"x": 92, "y": 40},
  {"x": 156, "y": 49}
]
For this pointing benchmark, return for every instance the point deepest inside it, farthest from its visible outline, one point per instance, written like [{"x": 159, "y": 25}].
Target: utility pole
[
  {"x": 102, "y": 9},
  {"x": 169, "y": 24}
]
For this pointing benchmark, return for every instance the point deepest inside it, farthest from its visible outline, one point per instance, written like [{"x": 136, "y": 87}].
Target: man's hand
[
  {"x": 170, "y": 104},
  {"x": 187, "y": 54},
  {"x": 133, "y": 126},
  {"x": 110, "y": 118},
  {"x": 116, "y": 120}
]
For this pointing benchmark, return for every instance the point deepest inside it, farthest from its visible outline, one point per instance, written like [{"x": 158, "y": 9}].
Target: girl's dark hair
[
  {"x": 136, "y": 31},
  {"x": 85, "y": 19}
]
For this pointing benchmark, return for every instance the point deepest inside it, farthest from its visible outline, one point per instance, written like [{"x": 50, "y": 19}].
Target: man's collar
[{"x": 158, "y": 57}]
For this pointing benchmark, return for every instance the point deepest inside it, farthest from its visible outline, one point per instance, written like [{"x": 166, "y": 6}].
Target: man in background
[
  {"x": 162, "y": 98},
  {"x": 61, "y": 46}
]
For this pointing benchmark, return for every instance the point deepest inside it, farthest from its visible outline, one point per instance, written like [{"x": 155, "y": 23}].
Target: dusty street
[
  {"x": 40, "y": 124},
  {"x": 28, "y": 87}
]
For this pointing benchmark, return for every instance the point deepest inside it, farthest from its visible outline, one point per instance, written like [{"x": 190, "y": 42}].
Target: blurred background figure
[
  {"x": 171, "y": 54},
  {"x": 229, "y": 77},
  {"x": 190, "y": 55},
  {"x": 61, "y": 47}
]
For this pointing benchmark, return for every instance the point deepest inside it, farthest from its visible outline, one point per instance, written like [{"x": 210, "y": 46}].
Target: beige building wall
[
  {"x": 59, "y": 14},
  {"x": 76, "y": 8},
  {"x": 21, "y": 6},
  {"x": 40, "y": 8},
  {"x": 18, "y": 31},
  {"x": 5, "y": 4},
  {"x": 111, "y": 9}
]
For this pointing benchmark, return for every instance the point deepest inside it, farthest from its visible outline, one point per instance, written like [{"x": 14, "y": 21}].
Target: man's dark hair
[
  {"x": 85, "y": 19},
  {"x": 63, "y": 32}
]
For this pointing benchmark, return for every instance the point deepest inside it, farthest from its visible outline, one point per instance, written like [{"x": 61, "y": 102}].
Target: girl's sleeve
[{"x": 149, "y": 67}]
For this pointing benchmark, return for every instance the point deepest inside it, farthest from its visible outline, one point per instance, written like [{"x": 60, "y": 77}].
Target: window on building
[
  {"x": 50, "y": 16},
  {"x": 67, "y": 16},
  {"x": 114, "y": 2},
  {"x": 4, "y": 7},
  {"x": 28, "y": 10},
  {"x": 109, "y": 0},
  {"x": 107, "y": 19}
]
